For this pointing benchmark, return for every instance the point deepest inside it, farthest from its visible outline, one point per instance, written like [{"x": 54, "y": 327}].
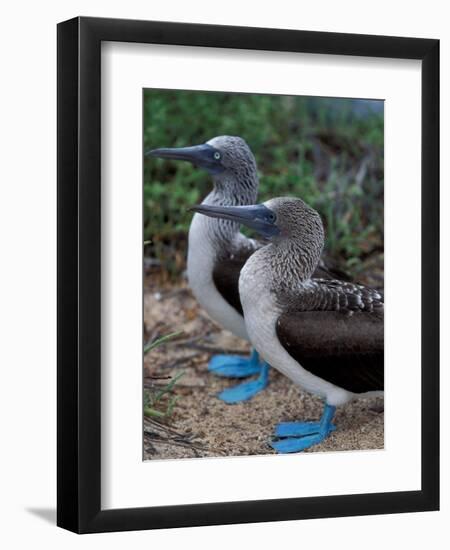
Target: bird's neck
[
  {"x": 223, "y": 232},
  {"x": 235, "y": 189},
  {"x": 288, "y": 264}
]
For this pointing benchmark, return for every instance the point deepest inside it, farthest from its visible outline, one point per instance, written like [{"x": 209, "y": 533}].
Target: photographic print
[{"x": 263, "y": 274}]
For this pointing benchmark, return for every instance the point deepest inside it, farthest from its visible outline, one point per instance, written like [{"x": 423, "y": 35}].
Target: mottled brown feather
[{"x": 227, "y": 270}]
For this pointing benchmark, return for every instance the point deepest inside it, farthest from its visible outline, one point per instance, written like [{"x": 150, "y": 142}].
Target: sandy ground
[{"x": 201, "y": 425}]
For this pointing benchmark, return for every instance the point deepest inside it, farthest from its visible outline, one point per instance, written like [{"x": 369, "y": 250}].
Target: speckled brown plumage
[{"x": 227, "y": 270}]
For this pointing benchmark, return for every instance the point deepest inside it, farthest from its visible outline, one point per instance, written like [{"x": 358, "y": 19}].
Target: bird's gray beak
[
  {"x": 257, "y": 217},
  {"x": 199, "y": 155}
]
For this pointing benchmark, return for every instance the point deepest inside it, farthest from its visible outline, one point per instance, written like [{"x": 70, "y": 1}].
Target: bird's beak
[
  {"x": 199, "y": 155},
  {"x": 257, "y": 217}
]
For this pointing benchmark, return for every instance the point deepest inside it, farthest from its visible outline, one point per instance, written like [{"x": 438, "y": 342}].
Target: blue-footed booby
[
  {"x": 326, "y": 335},
  {"x": 217, "y": 251}
]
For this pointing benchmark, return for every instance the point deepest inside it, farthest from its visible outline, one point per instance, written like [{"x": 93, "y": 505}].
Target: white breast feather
[{"x": 200, "y": 264}]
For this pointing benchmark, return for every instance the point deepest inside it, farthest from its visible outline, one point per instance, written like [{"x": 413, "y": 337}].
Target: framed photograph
[{"x": 235, "y": 206}]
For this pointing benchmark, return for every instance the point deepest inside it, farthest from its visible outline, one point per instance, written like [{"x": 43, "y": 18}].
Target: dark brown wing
[
  {"x": 226, "y": 277},
  {"x": 346, "y": 350}
]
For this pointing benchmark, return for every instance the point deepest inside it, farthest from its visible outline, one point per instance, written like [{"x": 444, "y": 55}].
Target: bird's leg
[
  {"x": 298, "y": 436},
  {"x": 246, "y": 390},
  {"x": 235, "y": 366}
]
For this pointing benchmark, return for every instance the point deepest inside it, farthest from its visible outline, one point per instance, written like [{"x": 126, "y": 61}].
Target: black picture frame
[{"x": 79, "y": 280}]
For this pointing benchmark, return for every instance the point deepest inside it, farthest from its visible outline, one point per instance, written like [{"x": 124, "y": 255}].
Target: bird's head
[
  {"x": 284, "y": 219},
  {"x": 234, "y": 156},
  {"x": 222, "y": 157},
  {"x": 296, "y": 220}
]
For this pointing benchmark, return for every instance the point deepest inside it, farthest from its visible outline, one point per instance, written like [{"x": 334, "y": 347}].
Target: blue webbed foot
[
  {"x": 233, "y": 366},
  {"x": 246, "y": 390},
  {"x": 296, "y": 429},
  {"x": 298, "y": 436},
  {"x": 297, "y": 444}
]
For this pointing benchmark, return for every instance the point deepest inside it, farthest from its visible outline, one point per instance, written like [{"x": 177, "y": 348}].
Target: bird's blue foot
[
  {"x": 234, "y": 366},
  {"x": 298, "y": 436},
  {"x": 297, "y": 429},
  {"x": 246, "y": 390}
]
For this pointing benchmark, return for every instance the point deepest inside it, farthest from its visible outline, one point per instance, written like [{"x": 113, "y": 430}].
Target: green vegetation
[
  {"x": 327, "y": 151},
  {"x": 152, "y": 345},
  {"x": 159, "y": 402}
]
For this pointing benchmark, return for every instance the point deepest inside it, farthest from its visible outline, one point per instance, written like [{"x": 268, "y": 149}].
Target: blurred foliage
[{"x": 327, "y": 151}]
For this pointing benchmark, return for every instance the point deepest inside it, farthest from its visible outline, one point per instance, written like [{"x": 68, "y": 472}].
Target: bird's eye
[
  {"x": 217, "y": 155},
  {"x": 271, "y": 217}
]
